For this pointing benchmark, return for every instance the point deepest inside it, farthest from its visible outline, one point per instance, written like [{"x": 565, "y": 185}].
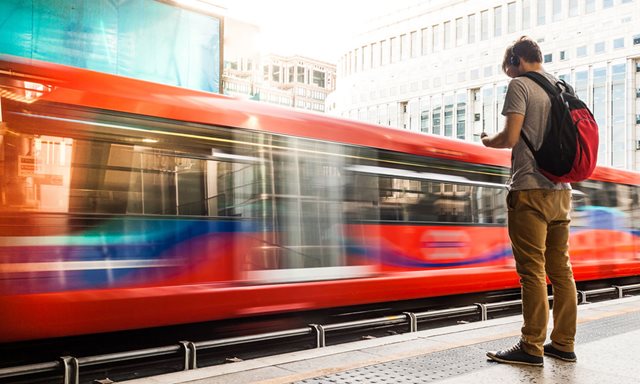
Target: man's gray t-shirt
[{"x": 527, "y": 98}]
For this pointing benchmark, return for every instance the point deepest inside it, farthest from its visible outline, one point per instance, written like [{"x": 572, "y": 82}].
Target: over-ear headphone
[{"x": 513, "y": 59}]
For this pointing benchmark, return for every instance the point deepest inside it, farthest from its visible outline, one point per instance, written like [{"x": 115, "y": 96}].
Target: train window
[
  {"x": 60, "y": 174},
  {"x": 35, "y": 171},
  {"x": 425, "y": 193},
  {"x": 491, "y": 206},
  {"x": 605, "y": 205},
  {"x": 114, "y": 164}
]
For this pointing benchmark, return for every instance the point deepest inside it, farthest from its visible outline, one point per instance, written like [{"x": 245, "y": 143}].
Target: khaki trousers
[{"x": 539, "y": 232}]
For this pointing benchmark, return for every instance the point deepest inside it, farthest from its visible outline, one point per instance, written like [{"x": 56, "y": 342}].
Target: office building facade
[
  {"x": 436, "y": 67},
  {"x": 294, "y": 81}
]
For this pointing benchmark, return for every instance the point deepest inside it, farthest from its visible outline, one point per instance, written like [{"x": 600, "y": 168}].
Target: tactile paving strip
[
  {"x": 459, "y": 361},
  {"x": 419, "y": 369}
]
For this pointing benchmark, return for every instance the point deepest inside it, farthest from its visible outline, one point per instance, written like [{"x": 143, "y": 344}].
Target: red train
[{"x": 126, "y": 204}]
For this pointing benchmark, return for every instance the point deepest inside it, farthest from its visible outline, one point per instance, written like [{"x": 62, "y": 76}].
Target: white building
[
  {"x": 436, "y": 67},
  {"x": 294, "y": 81}
]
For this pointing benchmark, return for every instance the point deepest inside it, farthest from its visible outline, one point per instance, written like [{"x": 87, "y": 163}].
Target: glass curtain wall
[
  {"x": 436, "y": 115},
  {"x": 618, "y": 100},
  {"x": 600, "y": 110},
  {"x": 448, "y": 116},
  {"x": 488, "y": 124},
  {"x": 425, "y": 114},
  {"x": 461, "y": 115}
]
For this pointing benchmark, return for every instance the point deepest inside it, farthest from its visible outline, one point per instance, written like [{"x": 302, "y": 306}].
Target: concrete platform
[{"x": 608, "y": 346}]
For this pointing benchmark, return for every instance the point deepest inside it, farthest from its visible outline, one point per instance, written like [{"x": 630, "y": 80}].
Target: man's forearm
[{"x": 499, "y": 140}]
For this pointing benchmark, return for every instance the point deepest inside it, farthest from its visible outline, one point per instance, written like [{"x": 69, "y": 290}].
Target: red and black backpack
[{"x": 569, "y": 149}]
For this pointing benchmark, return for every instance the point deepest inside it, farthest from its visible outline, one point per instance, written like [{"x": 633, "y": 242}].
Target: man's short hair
[{"x": 523, "y": 48}]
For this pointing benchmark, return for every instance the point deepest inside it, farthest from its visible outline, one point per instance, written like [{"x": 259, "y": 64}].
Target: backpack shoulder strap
[
  {"x": 551, "y": 91},
  {"x": 527, "y": 142},
  {"x": 543, "y": 82}
]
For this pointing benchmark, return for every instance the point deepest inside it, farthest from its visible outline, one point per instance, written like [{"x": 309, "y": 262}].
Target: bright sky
[{"x": 320, "y": 29}]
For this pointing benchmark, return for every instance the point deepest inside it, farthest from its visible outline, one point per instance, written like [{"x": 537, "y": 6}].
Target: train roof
[{"x": 77, "y": 86}]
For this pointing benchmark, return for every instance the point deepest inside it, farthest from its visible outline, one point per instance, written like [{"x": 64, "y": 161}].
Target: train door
[{"x": 302, "y": 232}]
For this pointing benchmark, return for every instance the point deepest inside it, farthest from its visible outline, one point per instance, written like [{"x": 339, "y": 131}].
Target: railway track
[{"x": 132, "y": 355}]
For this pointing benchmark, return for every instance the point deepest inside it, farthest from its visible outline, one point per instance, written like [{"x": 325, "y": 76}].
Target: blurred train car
[{"x": 126, "y": 204}]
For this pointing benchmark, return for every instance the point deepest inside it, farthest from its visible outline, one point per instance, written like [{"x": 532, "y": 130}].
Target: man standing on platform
[{"x": 538, "y": 217}]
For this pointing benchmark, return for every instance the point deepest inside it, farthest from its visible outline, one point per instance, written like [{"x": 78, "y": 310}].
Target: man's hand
[{"x": 484, "y": 138}]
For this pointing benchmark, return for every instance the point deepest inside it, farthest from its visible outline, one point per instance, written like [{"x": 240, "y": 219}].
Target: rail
[{"x": 70, "y": 366}]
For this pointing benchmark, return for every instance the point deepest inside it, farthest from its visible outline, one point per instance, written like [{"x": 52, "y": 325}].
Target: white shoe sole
[{"x": 500, "y": 360}]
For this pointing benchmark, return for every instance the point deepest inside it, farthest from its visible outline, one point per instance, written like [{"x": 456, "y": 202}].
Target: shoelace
[{"x": 515, "y": 348}]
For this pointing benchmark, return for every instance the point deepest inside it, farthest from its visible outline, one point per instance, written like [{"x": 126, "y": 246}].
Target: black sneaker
[
  {"x": 550, "y": 350},
  {"x": 515, "y": 355}
]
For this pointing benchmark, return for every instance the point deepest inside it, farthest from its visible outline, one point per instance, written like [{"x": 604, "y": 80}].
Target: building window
[
  {"x": 459, "y": 32},
  {"x": 590, "y": 6},
  {"x": 581, "y": 51},
  {"x": 636, "y": 40},
  {"x": 557, "y": 10},
  {"x": 384, "y": 55},
  {"x": 275, "y": 74},
  {"x": 599, "y": 109},
  {"x": 436, "y": 116},
  {"x": 548, "y": 58},
  {"x": 395, "y": 50},
  {"x": 357, "y": 63},
  {"x": 573, "y": 8},
  {"x": 484, "y": 25},
  {"x": 414, "y": 44},
  {"x": 318, "y": 78},
  {"x": 607, "y": 4},
  {"x": 436, "y": 38},
  {"x": 405, "y": 47},
  {"x": 461, "y": 115},
  {"x": 366, "y": 57},
  {"x": 563, "y": 55},
  {"x": 617, "y": 105},
  {"x": 497, "y": 21},
  {"x": 448, "y": 115},
  {"x": 375, "y": 55},
  {"x": 424, "y": 121},
  {"x": 501, "y": 93},
  {"x": 598, "y": 47},
  {"x": 488, "y": 71},
  {"x": 618, "y": 43},
  {"x": 582, "y": 84},
  {"x": 488, "y": 108},
  {"x": 436, "y": 112},
  {"x": 471, "y": 19},
  {"x": 542, "y": 9},
  {"x": 511, "y": 17},
  {"x": 447, "y": 34},
  {"x": 425, "y": 40},
  {"x": 526, "y": 14},
  {"x": 300, "y": 72}
]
